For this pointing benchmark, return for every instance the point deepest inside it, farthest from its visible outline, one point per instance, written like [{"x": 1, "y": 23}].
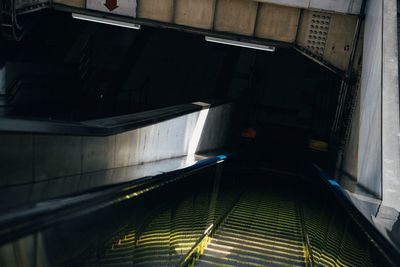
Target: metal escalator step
[
  {"x": 268, "y": 216},
  {"x": 259, "y": 251},
  {"x": 210, "y": 263},
  {"x": 140, "y": 258},
  {"x": 266, "y": 209},
  {"x": 112, "y": 264},
  {"x": 221, "y": 260},
  {"x": 116, "y": 261},
  {"x": 265, "y": 213},
  {"x": 271, "y": 216},
  {"x": 154, "y": 257},
  {"x": 261, "y": 243},
  {"x": 258, "y": 226},
  {"x": 256, "y": 239},
  {"x": 289, "y": 239},
  {"x": 232, "y": 257},
  {"x": 259, "y": 231}
]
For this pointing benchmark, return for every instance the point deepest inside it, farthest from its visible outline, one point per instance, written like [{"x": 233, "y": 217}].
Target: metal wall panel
[
  {"x": 340, "y": 39},
  {"x": 328, "y": 36}
]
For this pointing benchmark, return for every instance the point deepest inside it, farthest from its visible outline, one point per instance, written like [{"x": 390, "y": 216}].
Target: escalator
[
  {"x": 140, "y": 158},
  {"x": 215, "y": 216},
  {"x": 261, "y": 229}
]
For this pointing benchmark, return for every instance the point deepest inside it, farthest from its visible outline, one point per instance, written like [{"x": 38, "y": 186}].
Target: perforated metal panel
[
  {"x": 29, "y": 4},
  {"x": 318, "y": 32}
]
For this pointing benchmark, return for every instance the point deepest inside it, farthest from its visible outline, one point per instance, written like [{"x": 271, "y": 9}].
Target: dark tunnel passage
[
  {"x": 154, "y": 147},
  {"x": 92, "y": 71}
]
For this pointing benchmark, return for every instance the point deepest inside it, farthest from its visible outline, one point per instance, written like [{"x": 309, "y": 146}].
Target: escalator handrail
[
  {"x": 209, "y": 232},
  {"x": 306, "y": 240},
  {"x": 102, "y": 127},
  {"x": 42, "y": 215},
  {"x": 391, "y": 253}
]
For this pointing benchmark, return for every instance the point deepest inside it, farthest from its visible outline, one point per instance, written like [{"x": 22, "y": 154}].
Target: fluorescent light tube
[
  {"x": 240, "y": 44},
  {"x": 106, "y": 21}
]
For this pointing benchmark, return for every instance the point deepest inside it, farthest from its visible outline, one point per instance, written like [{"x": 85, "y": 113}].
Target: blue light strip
[{"x": 334, "y": 182}]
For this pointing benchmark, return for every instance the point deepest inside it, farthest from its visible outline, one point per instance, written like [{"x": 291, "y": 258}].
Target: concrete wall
[
  {"x": 341, "y": 6},
  {"x": 390, "y": 108},
  {"x": 308, "y": 23},
  {"x": 194, "y": 12},
  {"x": 26, "y": 158},
  {"x": 369, "y": 150},
  {"x": 372, "y": 153},
  {"x": 203, "y": 10},
  {"x": 28, "y": 251},
  {"x": 277, "y": 22},
  {"x": 2, "y": 76},
  {"x": 362, "y": 157}
]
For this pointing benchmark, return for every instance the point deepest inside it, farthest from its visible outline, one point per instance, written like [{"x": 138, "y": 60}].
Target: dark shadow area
[{"x": 90, "y": 70}]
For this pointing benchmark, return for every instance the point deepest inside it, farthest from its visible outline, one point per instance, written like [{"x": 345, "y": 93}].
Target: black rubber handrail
[
  {"x": 386, "y": 248},
  {"x": 45, "y": 214},
  {"x": 308, "y": 249},
  {"x": 191, "y": 256}
]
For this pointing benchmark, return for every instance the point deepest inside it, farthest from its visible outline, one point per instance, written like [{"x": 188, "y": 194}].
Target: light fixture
[
  {"x": 106, "y": 21},
  {"x": 240, "y": 44}
]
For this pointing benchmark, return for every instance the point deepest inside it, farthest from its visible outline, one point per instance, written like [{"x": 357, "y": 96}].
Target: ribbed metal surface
[
  {"x": 261, "y": 230},
  {"x": 264, "y": 226},
  {"x": 162, "y": 239},
  {"x": 333, "y": 240}
]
